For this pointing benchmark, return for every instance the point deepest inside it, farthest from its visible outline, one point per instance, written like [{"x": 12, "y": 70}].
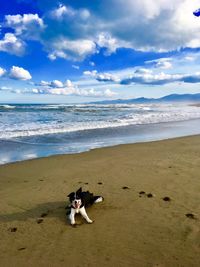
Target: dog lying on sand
[{"x": 79, "y": 201}]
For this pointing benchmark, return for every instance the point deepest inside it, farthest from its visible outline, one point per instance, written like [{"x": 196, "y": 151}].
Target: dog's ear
[
  {"x": 79, "y": 191},
  {"x": 71, "y": 194}
]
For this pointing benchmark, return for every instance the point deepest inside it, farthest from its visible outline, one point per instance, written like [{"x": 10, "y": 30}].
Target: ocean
[{"x": 38, "y": 130}]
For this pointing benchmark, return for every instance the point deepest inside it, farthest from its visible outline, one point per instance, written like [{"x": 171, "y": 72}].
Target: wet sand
[{"x": 150, "y": 215}]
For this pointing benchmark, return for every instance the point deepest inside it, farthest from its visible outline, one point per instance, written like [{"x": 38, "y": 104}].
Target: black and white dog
[{"x": 79, "y": 201}]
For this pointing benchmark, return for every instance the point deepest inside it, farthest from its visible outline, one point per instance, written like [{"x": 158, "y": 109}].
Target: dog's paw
[
  {"x": 74, "y": 225},
  {"x": 90, "y": 221}
]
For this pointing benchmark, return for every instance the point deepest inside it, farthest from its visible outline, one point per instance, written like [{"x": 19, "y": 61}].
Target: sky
[{"x": 79, "y": 51}]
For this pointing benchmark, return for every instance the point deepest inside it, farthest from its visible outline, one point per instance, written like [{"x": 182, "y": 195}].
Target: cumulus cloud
[
  {"x": 102, "y": 77},
  {"x": 28, "y": 25},
  {"x": 12, "y": 45},
  {"x": 55, "y": 84},
  {"x": 75, "y": 50},
  {"x": 63, "y": 12},
  {"x": 18, "y": 73},
  {"x": 75, "y": 91},
  {"x": 57, "y": 87},
  {"x": 168, "y": 25},
  {"x": 2, "y": 72},
  {"x": 161, "y": 63},
  {"x": 105, "y": 40},
  {"x": 160, "y": 78},
  {"x": 74, "y": 31}
]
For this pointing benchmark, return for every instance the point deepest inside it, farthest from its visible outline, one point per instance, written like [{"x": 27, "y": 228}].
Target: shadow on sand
[{"x": 48, "y": 209}]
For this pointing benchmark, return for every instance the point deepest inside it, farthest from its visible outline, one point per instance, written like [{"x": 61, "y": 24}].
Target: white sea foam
[
  {"x": 80, "y": 119},
  {"x": 7, "y": 106}
]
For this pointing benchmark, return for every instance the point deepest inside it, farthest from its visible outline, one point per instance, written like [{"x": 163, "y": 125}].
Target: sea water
[{"x": 38, "y": 130}]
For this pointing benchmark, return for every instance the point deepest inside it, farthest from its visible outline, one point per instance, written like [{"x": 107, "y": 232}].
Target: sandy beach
[{"x": 150, "y": 216}]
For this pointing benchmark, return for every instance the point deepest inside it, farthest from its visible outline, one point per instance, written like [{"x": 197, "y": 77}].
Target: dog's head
[{"x": 75, "y": 198}]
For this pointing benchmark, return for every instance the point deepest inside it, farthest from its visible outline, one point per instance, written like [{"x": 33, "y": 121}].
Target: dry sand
[{"x": 130, "y": 229}]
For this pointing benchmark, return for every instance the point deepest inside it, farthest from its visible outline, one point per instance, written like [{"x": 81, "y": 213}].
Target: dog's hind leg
[{"x": 85, "y": 216}]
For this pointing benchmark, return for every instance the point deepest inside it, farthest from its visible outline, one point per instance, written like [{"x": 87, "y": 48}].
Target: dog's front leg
[
  {"x": 72, "y": 216},
  {"x": 84, "y": 214}
]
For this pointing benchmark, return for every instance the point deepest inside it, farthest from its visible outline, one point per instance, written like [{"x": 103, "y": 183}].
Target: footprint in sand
[
  {"x": 125, "y": 187},
  {"x": 166, "y": 198},
  {"x": 44, "y": 214},
  {"x": 142, "y": 193},
  {"x": 39, "y": 221},
  {"x": 149, "y": 195},
  {"x": 190, "y": 216},
  {"x": 13, "y": 229},
  {"x": 23, "y": 248},
  {"x": 100, "y": 183}
]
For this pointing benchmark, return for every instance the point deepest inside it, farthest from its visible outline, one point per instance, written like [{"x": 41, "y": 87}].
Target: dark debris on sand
[
  {"x": 190, "y": 216},
  {"x": 39, "y": 221},
  {"x": 44, "y": 214},
  {"x": 23, "y": 248},
  {"x": 125, "y": 187},
  {"x": 166, "y": 198},
  {"x": 13, "y": 229}
]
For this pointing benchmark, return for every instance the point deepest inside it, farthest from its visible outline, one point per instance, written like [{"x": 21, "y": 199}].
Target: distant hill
[{"x": 141, "y": 100}]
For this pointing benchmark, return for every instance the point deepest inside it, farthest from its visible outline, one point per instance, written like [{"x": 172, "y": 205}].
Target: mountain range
[{"x": 140, "y": 100}]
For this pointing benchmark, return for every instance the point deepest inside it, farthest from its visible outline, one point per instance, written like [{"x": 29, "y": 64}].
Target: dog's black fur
[
  {"x": 79, "y": 201},
  {"x": 87, "y": 198}
]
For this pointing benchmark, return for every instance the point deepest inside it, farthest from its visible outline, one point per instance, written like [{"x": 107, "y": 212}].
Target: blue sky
[{"x": 80, "y": 51}]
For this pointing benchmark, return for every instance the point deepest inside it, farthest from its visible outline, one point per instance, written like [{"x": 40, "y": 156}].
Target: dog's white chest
[{"x": 77, "y": 210}]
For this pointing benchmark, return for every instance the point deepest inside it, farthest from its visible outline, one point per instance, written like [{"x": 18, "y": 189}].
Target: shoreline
[
  {"x": 39, "y": 147},
  {"x": 150, "y": 215},
  {"x": 99, "y": 148}
]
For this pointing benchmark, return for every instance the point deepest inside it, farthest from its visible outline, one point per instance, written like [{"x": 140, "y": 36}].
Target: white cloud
[
  {"x": 68, "y": 88},
  {"x": 28, "y": 25},
  {"x": 102, "y": 77},
  {"x": 164, "y": 65},
  {"x": 160, "y": 78},
  {"x": 71, "y": 49},
  {"x": 68, "y": 83},
  {"x": 146, "y": 25},
  {"x": 80, "y": 30},
  {"x": 189, "y": 58},
  {"x": 63, "y": 12},
  {"x": 75, "y": 67},
  {"x": 2, "y": 72},
  {"x": 74, "y": 91},
  {"x": 92, "y": 73},
  {"x": 18, "y": 73},
  {"x": 12, "y": 45},
  {"x": 44, "y": 83},
  {"x": 111, "y": 44},
  {"x": 92, "y": 63},
  {"x": 56, "y": 84},
  {"x": 5, "y": 88},
  {"x": 161, "y": 63}
]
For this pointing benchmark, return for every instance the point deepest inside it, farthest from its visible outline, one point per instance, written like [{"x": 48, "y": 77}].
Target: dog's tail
[{"x": 98, "y": 199}]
